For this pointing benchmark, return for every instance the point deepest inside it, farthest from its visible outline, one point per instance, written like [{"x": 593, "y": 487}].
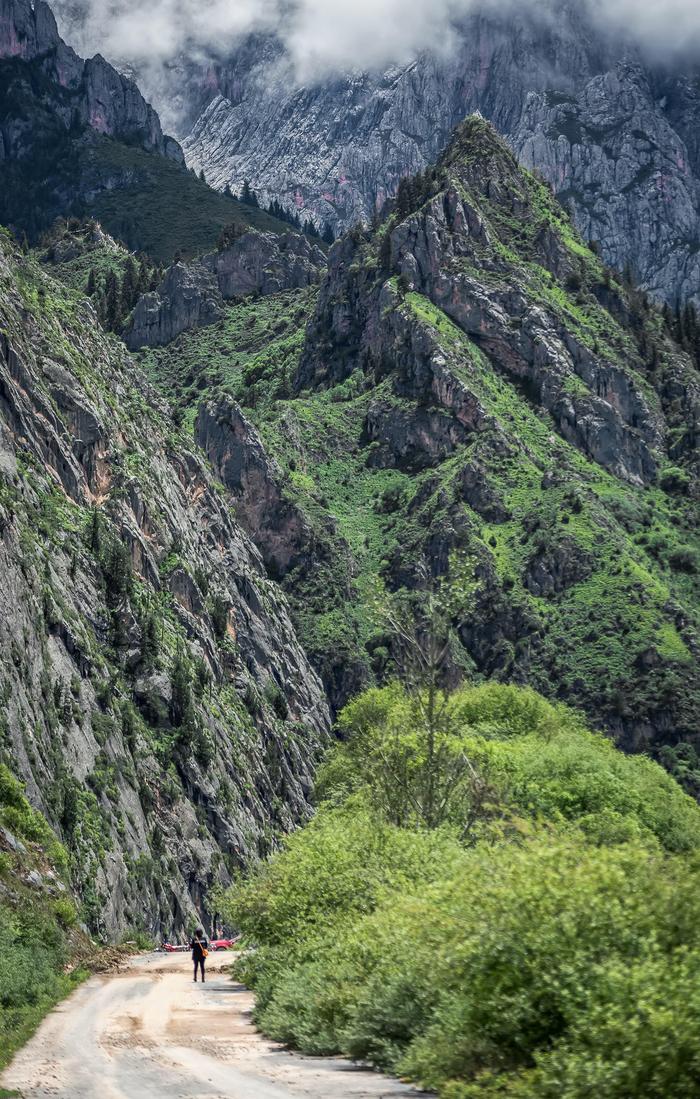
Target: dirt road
[{"x": 150, "y": 1033}]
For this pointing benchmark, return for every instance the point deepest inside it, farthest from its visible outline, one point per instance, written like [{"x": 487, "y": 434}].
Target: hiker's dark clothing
[{"x": 198, "y": 947}]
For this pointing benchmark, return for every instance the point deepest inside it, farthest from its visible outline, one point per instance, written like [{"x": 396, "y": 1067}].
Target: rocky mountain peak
[{"x": 27, "y": 29}]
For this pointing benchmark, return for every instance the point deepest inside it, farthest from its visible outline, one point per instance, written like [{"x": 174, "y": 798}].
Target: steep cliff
[
  {"x": 155, "y": 699},
  {"x": 615, "y": 134},
  {"x": 87, "y": 93},
  {"x": 475, "y": 396},
  {"x": 77, "y": 137}
]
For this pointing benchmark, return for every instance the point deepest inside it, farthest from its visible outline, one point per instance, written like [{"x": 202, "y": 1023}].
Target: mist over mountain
[{"x": 323, "y": 39}]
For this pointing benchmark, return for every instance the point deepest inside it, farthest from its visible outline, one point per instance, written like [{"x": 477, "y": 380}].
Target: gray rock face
[
  {"x": 236, "y": 452},
  {"x": 188, "y": 297},
  {"x": 160, "y": 782},
  {"x": 192, "y": 295},
  {"x": 262, "y": 263},
  {"x": 615, "y": 136},
  {"x": 89, "y": 93}
]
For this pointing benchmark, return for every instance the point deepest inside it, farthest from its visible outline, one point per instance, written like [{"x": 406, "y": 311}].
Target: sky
[{"x": 330, "y": 36}]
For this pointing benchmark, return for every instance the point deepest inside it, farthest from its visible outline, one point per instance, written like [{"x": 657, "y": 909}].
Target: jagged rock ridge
[
  {"x": 78, "y": 138},
  {"x": 92, "y": 93},
  {"x": 477, "y": 393}
]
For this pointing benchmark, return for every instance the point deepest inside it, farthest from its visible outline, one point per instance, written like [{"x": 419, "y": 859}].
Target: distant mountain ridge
[{"x": 616, "y": 136}]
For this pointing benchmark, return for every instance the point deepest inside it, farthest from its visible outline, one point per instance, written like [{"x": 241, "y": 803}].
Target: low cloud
[{"x": 332, "y": 36}]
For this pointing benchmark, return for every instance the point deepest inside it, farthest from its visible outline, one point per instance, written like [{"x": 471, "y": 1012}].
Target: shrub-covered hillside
[
  {"x": 534, "y": 935},
  {"x": 38, "y": 920}
]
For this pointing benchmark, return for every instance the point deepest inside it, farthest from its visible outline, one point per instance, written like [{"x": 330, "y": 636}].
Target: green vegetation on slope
[
  {"x": 554, "y": 955},
  {"x": 160, "y": 208},
  {"x": 37, "y": 919},
  {"x": 589, "y": 583},
  {"x": 615, "y": 632}
]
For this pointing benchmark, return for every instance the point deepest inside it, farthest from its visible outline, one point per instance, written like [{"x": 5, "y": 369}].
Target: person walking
[{"x": 200, "y": 950}]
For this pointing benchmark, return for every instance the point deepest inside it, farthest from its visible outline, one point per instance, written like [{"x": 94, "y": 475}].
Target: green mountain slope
[
  {"x": 38, "y": 920},
  {"x": 475, "y": 392}
]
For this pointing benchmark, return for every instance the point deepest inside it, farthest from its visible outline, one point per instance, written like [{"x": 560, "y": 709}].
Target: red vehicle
[
  {"x": 174, "y": 949},
  {"x": 222, "y": 944}
]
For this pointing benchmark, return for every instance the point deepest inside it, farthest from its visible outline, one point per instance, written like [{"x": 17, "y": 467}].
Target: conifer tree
[
  {"x": 91, "y": 284},
  {"x": 248, "y": 195},
  {"x": 403, "y": 199},
  {"x": 95, "y": 535},
  {"x": 112, "y": 302},
  {"x": 129, "y": 292},
  {"x": 143, "y": 281}
]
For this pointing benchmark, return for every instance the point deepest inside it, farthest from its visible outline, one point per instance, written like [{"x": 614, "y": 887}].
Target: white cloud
[
  {"x": 326, "y": 36},
  {"x": 668, "y": 26}
]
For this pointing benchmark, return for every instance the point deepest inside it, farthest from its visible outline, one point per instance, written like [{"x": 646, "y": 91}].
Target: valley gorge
[{"x": 226, "y": 448}]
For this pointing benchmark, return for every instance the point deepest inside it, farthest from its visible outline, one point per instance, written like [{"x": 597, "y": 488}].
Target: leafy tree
[{"x": 557, "y": 957}]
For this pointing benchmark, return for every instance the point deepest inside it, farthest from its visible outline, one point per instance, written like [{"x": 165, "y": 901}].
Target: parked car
[
  {"x": 171, "y": 948},
  {"x": 222, "y": 944}
]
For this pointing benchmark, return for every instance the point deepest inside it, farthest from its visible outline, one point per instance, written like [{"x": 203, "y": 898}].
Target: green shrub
[{"x": 556, "y": 958}]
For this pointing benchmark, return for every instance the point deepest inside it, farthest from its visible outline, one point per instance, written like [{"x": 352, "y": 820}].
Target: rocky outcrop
[
  {"x": 262, "y": 263},
  {"x": 412, "y": 439},
  {"x": 155, "y": 698},
  {"x": 615, "y": 135},
  {"x": 255, "y": 481},
  {"x": 188, "y": 297},
  {"x": 192, "y": 295}
]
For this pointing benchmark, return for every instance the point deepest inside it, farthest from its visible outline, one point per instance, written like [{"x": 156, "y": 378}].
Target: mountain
[
  {"x": 615, "y": 134},
  {"x": 77, "y": 137},
  {"x": 155, "y": 699},
  {"x": 472, "y": 397}
]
